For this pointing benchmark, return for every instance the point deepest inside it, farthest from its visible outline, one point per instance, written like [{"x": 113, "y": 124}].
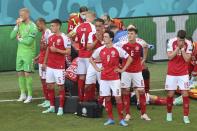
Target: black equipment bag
[
  {"x": 89, "y": 109},
  {"x": 70, "y": 105}
]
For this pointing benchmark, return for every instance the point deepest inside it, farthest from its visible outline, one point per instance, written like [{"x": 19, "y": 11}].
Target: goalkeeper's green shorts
[{"x": 25, "y": 63}]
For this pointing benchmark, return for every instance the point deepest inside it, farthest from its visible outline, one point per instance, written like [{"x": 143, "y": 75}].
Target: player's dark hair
[
  {"x": 190, "y": 39},
  {"x": 107, "y": 16},
  {"x": 111, "y": 34},
  {"x": 83, "y": 9},
  {"x": 181, "y": 34},
  {"x": 41, "y": 20},
  {"x": 57, "y": 21},
  {"x": 100, "y": 20},
  {"x": 132, "y": 29}
]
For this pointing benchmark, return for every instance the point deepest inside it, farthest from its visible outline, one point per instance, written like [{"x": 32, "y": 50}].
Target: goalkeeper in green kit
[{"x": 25, "y": 32}]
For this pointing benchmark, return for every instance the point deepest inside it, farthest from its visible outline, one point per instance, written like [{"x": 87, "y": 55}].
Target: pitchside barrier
[{"x": 154, "y": 30}]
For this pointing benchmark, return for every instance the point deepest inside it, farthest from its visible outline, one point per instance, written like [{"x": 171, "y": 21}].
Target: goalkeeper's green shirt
[
  {"x": 26, "y": 45},
  {"x": 27, "y": 42}
]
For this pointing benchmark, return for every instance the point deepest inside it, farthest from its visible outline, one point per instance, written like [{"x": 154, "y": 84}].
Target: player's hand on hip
[
  {"x": 99, "y": 69},
  {"x": 53, "y": 49},
  {"x": 143, "y": 61},
  {"x": 44, "y": 66},
  {"x": 118, "y": 70},
  {"x": 35, "y": 60}
]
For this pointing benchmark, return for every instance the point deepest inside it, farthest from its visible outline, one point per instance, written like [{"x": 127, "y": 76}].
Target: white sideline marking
[
  {"x": 12, "y": 100},
  {"x": 39, "y": 98}
]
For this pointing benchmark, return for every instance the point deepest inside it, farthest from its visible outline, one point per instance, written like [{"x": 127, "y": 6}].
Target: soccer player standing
[
  {"x": 179, "y": 53},
  {"x": 25, "y": 32},
  {"x": 59, "y": 45},
  {"x": 133, "y": 74},
  {"x": 109, "y": 55},
  {"x": 84, "y": 32},
  {"x": 41, "y": 24}
]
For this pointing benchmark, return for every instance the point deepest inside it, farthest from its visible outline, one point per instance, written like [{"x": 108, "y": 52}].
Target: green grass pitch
[{"x": 16, "y": 116}]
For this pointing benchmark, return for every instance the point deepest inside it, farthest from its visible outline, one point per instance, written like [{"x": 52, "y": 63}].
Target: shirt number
[
  {"x": 83, "y": 40},
  {"x": 132, "y": 53}
]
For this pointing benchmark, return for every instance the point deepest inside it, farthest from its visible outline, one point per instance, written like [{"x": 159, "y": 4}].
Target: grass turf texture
[{"x": 20, "y": 117}]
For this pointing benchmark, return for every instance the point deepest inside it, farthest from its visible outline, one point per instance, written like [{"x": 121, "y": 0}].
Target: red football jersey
[
  {"x": 193, "y": 63},
  {"x": 73, "y": 21},
  {"x": 57, "y": 60},
  {"x": 84, "y": 33},
  {"x": 134, "y": 50},
  {"x": 98, "y": 43},
  {"x": 177, "y": 66},
  {"x": 43, "y": 42},
  {"x": 110, "y": 61}
]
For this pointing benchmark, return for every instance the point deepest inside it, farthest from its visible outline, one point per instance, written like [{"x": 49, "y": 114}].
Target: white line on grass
[
  {"x": 12, "y": 100},
  {"x": 39, "y": 98}
]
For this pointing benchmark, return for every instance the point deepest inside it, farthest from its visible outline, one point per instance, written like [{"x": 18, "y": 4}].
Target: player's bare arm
[
  {"x": 129, "y": 61},
  {"x": 145, "y": 52},
  {"x": 90, "y": 46},
  {"x": 45, "y": 59},
  {"x": 36, "y": 59},
  {"x": 67, "y": 51},
  {"x": 14, "y": 34},
  {"x": 94, "y": 65},
  {"x": 71, "y": 34}
]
